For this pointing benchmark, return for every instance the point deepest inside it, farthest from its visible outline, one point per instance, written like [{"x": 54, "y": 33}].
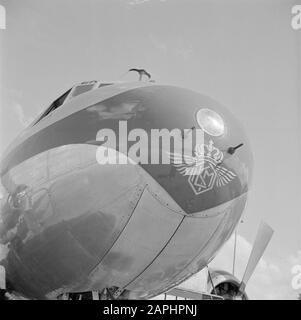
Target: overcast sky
[{"x": 242, "y": 53}]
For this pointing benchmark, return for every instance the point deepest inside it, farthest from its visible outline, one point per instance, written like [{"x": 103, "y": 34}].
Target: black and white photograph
[{"x": 150, "y": 150}]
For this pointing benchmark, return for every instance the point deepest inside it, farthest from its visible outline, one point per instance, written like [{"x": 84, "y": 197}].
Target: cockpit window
[
  {"x": 82, "y": 89},
  {"x": 57, "y": 103},
  {"x": 71, "y": 93},
  {"x": 104, "y": 84}
]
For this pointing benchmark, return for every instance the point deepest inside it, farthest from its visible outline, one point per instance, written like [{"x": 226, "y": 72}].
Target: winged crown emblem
[{"x": 204, "y": 169}]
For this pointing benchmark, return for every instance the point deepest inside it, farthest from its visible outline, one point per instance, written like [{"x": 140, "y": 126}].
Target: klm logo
[{"x": 204, "y": 170}]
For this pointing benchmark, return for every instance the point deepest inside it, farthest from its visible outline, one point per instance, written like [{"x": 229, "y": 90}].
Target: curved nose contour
[
  {"x": 217, "y": 170},
  {"x": 141, "y": 227},
  {"x": 224, "y": 169}
]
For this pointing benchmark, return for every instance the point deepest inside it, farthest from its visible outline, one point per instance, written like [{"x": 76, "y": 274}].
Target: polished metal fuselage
[{"x": 69, "y": 224}]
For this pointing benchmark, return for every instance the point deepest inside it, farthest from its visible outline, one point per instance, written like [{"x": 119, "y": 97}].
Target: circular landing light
[{"x": 211, "y": 122}]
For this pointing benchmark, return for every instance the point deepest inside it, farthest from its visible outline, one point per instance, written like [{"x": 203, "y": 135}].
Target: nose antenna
[
  {"x": 231, "y": 150},
  {"x": 141, "y": 72}
]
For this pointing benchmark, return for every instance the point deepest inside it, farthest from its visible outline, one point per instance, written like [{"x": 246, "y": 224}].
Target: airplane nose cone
[
  {"x": 219, "y": 168},
  {"x": 130, "y": 226}
]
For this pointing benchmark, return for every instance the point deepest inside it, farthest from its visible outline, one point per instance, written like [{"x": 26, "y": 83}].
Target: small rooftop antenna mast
[{"x": 141, "y": 73}]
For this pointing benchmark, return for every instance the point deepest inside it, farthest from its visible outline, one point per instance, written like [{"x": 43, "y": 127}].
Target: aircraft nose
[
  {"x": 219, "y": 169},
  {"x": 214, "y": 162}
]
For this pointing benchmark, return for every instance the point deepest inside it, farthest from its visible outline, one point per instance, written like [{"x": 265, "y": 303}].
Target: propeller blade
[{"x": 263, "y": 237}]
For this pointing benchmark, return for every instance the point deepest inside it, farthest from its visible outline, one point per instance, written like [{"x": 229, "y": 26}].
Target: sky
[{"x": 243, "y": 53}]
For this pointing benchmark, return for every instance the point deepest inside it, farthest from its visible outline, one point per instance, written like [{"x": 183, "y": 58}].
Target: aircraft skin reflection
[{"x": 72, "y": 225}]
